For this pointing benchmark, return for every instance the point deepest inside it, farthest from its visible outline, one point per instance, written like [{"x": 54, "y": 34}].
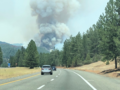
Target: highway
[{"x": 62, "y": 79}]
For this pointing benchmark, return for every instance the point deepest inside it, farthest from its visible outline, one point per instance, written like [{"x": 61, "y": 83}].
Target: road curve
[{"x": 62, "y": 79}]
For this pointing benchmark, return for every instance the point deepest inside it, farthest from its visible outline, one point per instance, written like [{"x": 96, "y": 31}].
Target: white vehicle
[{"x": 46, "y": 69}]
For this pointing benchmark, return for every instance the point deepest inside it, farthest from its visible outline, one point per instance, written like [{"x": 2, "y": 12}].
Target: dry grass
[
  {"x": 99, "y": 67},
  {"x": 18, "y": 71}
]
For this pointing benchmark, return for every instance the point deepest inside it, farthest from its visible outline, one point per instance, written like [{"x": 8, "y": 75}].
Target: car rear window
[{"x": 46, "y": 67}]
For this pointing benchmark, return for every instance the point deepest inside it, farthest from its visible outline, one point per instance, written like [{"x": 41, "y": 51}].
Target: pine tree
[
  {"x": 79, "y": 48},
  {"x": 41, "y": 59},
  {"x": 117, "y": 4},
  {"x": 60, "y": 58},
  {"x": 17, "y": 58},
  {"x": 109, "y": 48},
  {"x": 1, "y": 57},
  {"x": 87, "y": 60},
  {"x": 21, "y": 62},
  {"x": 73, "y": 51},
  {"x": 12, "y": 61},
  {"x": 100, "y": 27},
  {"x": 32, "y": 55},
  {"x": 88, "y": 57},
  {"x": 96, "y": 40},
  {"x": 85, "y": 46},
  {"x": 64, "y": 59}
]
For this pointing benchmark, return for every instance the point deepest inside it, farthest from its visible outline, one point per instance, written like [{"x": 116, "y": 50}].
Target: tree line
[
  {"x": 100, "y": 42},
  {"x": 30, "y": 57}
]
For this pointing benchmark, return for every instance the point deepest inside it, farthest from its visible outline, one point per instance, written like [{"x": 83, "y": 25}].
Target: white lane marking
[
  {"x": 56, "y": 76},
  {"x": 60, "y": 72},
  {"x": 86, "y": 81},
  {"x": 41, "y": 87},
  {"x": 52, "y": 79},
  {"x": 90, "y": 80}
]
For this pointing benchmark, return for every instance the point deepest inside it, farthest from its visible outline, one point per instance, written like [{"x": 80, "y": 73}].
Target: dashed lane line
[
  {"x": 60, "y": 72},
  {"x": 52, "y": 79},
  {"x": 41, "y": 87}
]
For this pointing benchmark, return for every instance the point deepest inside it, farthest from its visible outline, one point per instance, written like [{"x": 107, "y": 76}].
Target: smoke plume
[{"x": 52, "y": 16}]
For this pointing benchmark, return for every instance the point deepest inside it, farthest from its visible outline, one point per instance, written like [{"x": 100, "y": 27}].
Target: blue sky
[{"x": 17, "y": 25}]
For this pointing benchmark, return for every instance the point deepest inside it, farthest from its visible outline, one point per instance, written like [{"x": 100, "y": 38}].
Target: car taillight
[
  {"x": 42, "y": 69},
  {"x": 49, "y": 68}
]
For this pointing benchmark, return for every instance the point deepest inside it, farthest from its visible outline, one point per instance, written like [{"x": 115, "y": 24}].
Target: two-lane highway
[{"x": 62, "y": 79}]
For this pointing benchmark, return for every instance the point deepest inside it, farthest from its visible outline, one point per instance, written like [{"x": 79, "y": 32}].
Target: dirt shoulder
[{"x": 101, "y": 68}]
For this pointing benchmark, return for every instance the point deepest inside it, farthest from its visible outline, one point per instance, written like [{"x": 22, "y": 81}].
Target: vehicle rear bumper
[{"x": 46, "y": 71}]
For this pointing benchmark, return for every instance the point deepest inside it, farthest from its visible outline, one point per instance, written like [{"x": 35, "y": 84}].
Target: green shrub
[
  {"x": 107, "y": 63},
  {"x": 86, "y": 61},
  {"x": 4, "y": 64},
  {"x": 80, "y": 64}
]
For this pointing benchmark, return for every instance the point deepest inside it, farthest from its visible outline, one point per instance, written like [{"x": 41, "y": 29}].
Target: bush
[
  {"x": 80, "y": 64},
  {"x": 4, "y": 64},
  {"x": 96, "y": 58},
  {"x": 91, "y": 60},
  {"x": 107, "y": 63},
  {"x": 87, "y": 62}
]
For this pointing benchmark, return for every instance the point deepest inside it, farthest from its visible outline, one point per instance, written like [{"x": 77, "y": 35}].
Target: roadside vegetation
[
  {"x": 18, "y": 71},
  {"x": 100, "y": 68}
]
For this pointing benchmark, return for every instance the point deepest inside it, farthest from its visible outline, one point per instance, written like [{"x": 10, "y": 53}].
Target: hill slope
[{"x": 10, "y": 50}]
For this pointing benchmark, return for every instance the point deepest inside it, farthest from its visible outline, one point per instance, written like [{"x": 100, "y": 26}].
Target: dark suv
[{"x": 53, "y": 68}]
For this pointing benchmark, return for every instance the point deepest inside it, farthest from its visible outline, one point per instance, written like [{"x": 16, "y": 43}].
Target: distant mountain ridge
[
  {"x": 3, "y": 42},
  {"x": 11, "y": 49}
]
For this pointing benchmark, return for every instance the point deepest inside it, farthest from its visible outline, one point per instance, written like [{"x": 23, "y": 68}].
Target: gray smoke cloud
[{"x": 52, "y": 16}]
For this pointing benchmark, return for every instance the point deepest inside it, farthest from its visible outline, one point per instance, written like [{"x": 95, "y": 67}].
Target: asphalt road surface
[{"x": 62, "y": 79}]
